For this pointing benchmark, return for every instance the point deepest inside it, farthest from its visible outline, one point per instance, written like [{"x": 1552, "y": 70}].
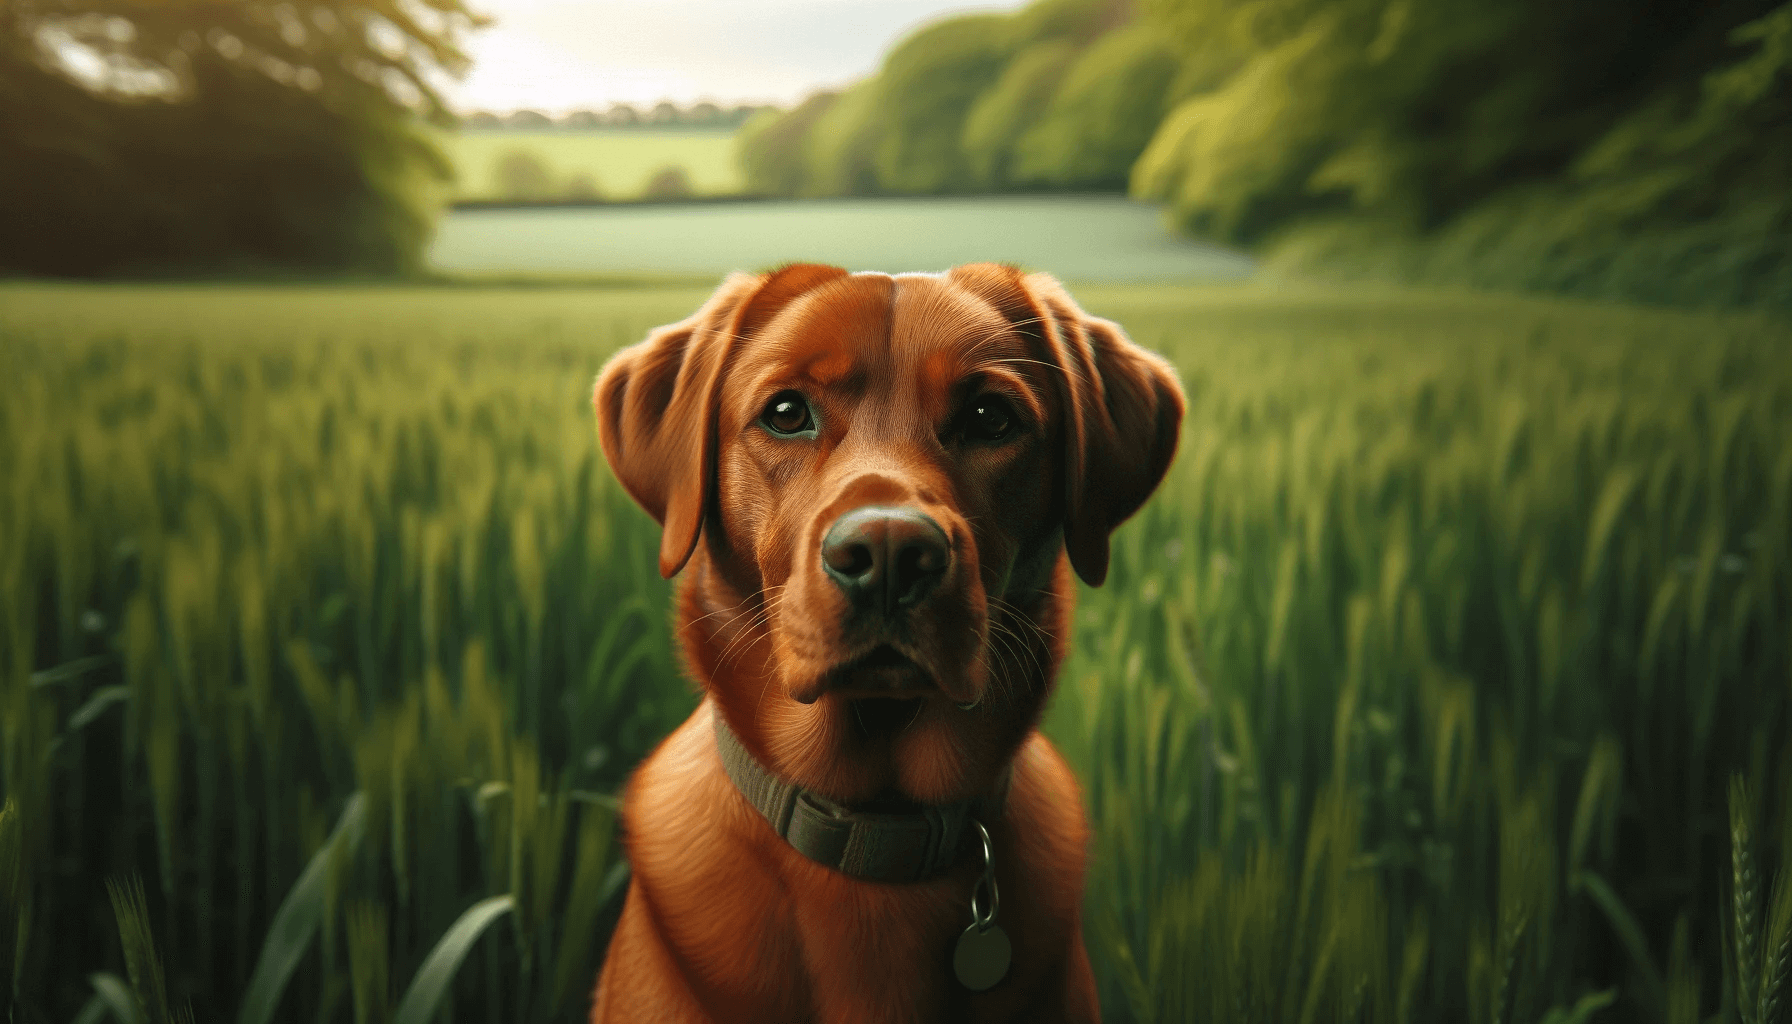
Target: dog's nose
[{"x": 885, "y": 558}]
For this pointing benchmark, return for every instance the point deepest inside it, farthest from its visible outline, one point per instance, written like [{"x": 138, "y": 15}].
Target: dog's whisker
[
  {"x": 1002, "y": 642},
  {"x": 749, "y": 599},
  {"x": 769, "y": 676},
  {"x": 752, "y": 629},
  {"x": 751, "y": 632},
  {"x": 732, "y": 630},
  {"x": 1004, "y": 625}
]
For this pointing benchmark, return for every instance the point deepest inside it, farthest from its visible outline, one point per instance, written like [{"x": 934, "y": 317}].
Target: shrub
[
  {"x": 670, "y": 182},
  {"x": 522, "y": 176}
]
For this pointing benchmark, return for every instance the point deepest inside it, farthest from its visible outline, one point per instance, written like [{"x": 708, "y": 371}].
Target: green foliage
[
  {"x": 770, "y": 147},
  {"x": 1004, "y": 113},
  {"x": 1103, "y": 114},
  {"x": 208, "y": 137},
  {"x": 1605, "y": 149},
  {"x": 1760, "y": 921},
  {"x": 522, "y": 176},
  {"x": 14, "y": 924},
  {"x": 424, "y": 997},
  {"x": 131, "y": 909},
  {"x": 592, "y": 164},
  {"x": 1078, "y": 22},
  {"x": 1380, "y": 567},
  {"x": 950, "y": 108},
  {"x": 352, "y": 554},
  {"x": 295, "y": 924},
  {"x": 927, "y": 86},
  {"x": 669, "y": 183},
  {"x": 840, "y": 151}
]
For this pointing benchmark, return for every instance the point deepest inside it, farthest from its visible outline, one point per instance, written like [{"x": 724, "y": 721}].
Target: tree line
[{"x": 1630, "y": 148}]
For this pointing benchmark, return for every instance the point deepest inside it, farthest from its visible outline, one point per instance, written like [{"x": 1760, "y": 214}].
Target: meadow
[
  {"x": 1085, "y": 237},
  {"x": 615, "y": 164},
  {"x": 1447, "y": 678}
]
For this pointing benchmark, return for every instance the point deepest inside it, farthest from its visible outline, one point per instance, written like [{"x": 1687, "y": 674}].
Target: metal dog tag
[
  {"x": 981, "y": 958},
  {"x": 983, "y": 952}
]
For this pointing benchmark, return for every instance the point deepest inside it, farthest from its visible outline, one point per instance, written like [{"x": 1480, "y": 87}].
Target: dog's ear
[
  {"x": 1122, "y": 406},
  {"x": 656, "y": 401}
]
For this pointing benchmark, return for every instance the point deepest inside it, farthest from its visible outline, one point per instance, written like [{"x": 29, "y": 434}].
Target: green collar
[{"x": 878, "y": 846}]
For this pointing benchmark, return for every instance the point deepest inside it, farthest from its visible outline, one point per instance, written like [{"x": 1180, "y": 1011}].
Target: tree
[
  {"x": 1004, "y": 113},
  {"x": 1102, "y": 115},
  {"x": 770, "y": 147},
  {"x": 211, "y": 136},
  {"x": 840, "y": 149},
  {"x": 929, "y": 82},
  {"x": 1078, "y": 22},
  {"x": 521, "y": 176},
  {"x": 1410, "y": 109},
  {"x": 671, "y": 182}
]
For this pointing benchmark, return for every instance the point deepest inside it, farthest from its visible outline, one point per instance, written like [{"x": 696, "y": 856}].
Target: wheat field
[{"x": 1446, "y": 679}]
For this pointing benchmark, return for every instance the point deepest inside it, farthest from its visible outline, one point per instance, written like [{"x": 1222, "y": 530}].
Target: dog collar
[{"x": 878, "y": 846}]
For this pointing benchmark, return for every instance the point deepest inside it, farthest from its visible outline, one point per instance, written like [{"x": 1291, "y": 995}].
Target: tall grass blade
[
  {"x": 369, "y": 953},
  {"x": 1683, "y": 978},
  {"x": 1583, "y": 1010},
  {"x": 437, "y": 973},
  {"x": 297, "y": 920},
  {"x": 12, "y": 899},
  {"x": 132, "y": 910},
  {"x": 1629, "y": 932},
  {"x": 583, "y": 904},
  {"x": 111, "y": 995},
  {"x": 1776, "y": 962},
  {"x": 1744, "y": 899},
  {"x": 96, "y": 705}
]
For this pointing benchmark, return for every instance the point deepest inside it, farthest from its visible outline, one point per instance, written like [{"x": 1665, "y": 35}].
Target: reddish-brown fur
[{"x": 724, "y": 921}]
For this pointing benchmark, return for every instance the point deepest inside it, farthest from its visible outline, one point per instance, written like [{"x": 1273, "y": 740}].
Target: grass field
[
  {"x": 1415, "y": 694},
  {"x": 617, "y": 164},
  {"x": 1106, "y": 238}
]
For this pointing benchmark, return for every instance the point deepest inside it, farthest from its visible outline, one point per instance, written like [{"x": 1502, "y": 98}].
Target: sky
[{"x": 563, "y": 55}]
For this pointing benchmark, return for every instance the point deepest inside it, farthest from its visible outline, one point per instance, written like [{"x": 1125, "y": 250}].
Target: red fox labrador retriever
[{"x": 878, "y": 488}]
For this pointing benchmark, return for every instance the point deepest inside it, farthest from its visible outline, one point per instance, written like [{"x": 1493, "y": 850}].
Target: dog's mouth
[
  {"x": 883, "y": 690},
  {"x": 881, "y": 671},
  {"x": 883, "y": 717}
]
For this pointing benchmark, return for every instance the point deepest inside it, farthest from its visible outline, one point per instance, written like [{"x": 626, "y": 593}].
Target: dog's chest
[{"x": 768, "y": 935}]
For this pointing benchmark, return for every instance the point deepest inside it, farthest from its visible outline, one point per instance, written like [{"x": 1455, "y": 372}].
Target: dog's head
[{"x": 880, "y": 485}]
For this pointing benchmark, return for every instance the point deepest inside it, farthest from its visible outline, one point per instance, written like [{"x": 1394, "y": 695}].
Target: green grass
[
  {"x": 1414, "y": 695},
  {"x": 1082, "y": 237},
  {"x": 618, "y": 163}
]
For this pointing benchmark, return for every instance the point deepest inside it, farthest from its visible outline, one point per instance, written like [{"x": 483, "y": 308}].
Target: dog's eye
[
  {"x": 787, "y": 413},
  {"x": 988, "y": 419}
]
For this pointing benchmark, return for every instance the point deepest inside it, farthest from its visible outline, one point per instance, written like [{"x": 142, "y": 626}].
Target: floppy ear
[
  {"x": 1122, "y": 406},
  {"x": 656, "y": 402}
]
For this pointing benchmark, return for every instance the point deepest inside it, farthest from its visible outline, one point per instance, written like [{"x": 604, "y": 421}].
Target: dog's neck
[{"x": 878, "y": 846}]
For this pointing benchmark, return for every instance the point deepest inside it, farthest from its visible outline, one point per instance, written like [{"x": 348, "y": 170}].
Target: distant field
[
  {"x": 1414, "y": 689},
  {"x": 618, "y": 164},
  {"x": 1083, "y": 238}
]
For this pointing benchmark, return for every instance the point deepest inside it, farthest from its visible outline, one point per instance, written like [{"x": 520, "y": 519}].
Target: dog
[{"x": 877, "y": 488}]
